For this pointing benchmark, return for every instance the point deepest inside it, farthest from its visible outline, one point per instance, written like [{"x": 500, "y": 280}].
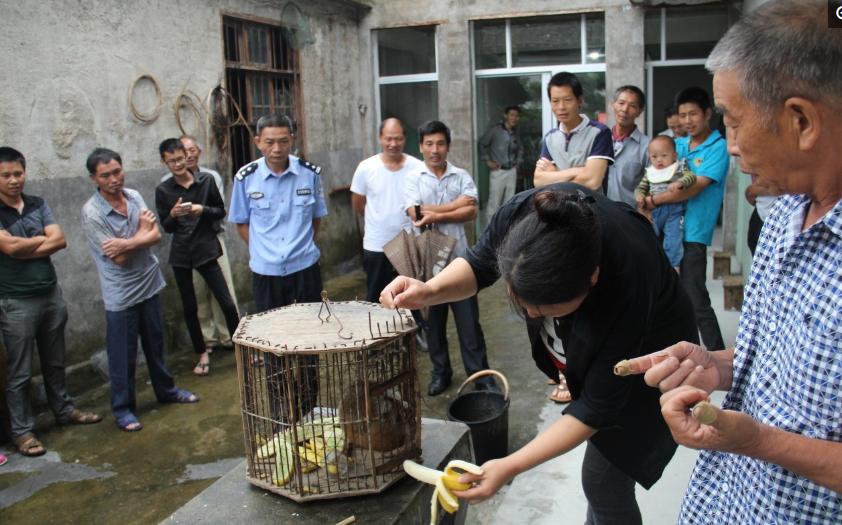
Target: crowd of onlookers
[{"x": 605, "y": 258}]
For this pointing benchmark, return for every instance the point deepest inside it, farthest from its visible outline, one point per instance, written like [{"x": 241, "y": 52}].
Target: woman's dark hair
[{"x": 549, "y": 256}]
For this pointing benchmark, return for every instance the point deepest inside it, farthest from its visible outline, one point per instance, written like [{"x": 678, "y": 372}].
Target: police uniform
[{"x": 280, "y": 210}]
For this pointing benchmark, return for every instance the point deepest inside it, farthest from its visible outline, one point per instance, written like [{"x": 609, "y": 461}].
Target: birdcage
[{"x": 330, "y": 398}]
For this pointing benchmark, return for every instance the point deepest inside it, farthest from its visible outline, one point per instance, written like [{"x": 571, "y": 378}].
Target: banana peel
[{"x": 444, "y": 482}]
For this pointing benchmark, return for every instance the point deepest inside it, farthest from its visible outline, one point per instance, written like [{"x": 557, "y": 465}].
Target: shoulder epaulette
[
  {"x": 310, "y": 166},
  {"x": 246, "y": 170}
]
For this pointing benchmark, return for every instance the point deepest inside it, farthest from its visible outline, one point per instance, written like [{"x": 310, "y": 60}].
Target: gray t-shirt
[{"x": 140, "y": 277}]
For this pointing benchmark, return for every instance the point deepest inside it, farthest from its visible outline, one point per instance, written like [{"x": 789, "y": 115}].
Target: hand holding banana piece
[{"x": 443, "y": 482}]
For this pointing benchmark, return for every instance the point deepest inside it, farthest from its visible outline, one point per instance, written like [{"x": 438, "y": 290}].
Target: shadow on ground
[{"x": 98, "y": 474}]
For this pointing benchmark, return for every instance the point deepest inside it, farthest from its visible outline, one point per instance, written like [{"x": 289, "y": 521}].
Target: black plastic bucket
[{"x": 487, "y": 415}]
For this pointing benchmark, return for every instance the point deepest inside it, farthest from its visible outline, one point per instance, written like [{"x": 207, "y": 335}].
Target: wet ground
[{"x": 99, "y": 474}]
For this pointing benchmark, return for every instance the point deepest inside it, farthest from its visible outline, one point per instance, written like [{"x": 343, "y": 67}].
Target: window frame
[
  {"x": 664, "y": 61},
  {"x": 413, "y": 78},
  {"x": 249, "y": 71},
  {"x": 546, "y": 71}
]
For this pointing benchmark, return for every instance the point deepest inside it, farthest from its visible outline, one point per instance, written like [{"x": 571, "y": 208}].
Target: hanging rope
[
  {"x": 159, "y": 102},
  {"x": 191, "y": 101},
  {"x": 221, "y": 103}
]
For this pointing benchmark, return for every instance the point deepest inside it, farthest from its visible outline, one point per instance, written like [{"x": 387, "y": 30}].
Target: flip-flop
[
  {"x": 201, "y": 369},
  {"x": 183, "y": 396},
  {"x": 560, "y": 393},
  {"x": 129, "y": 423}
]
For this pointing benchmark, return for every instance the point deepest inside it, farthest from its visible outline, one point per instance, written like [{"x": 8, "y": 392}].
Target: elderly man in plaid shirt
[{"x": 774, "y": 452}]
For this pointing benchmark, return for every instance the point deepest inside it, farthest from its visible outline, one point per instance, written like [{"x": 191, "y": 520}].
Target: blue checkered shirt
[{"x": 787, "y": 374}]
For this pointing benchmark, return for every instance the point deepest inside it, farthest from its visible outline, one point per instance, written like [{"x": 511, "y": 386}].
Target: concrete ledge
[{"x": 233, "y": 500}]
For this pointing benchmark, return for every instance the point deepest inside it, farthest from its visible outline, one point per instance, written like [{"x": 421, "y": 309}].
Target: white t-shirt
[{"x": 385, "y": 215}]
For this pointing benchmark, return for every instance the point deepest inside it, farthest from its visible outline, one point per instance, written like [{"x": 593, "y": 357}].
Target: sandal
[
  {"x": 28, "y": 445},
  {"x": 560, "y": 393},
  {"x": 202, "y": 369},
  {"x": 3, "y": 460},
  {"x": 77, "y": 417},
  {"x": 183, "y": 396},
  {"x": 129, "y": 423}
]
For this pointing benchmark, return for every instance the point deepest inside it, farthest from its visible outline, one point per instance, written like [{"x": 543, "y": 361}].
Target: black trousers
[
  {"x": 212, "y": 274},
  {"x": 274, "y": 291},
  {"x": 755, "y": 224},
  {"x": 609, "y": 490},
  {"x": 471, "y": 338},
  {"x": 694, "y": 276},
  {"x": 301, "y": 373},
  {"x": 379, "y": 272}
]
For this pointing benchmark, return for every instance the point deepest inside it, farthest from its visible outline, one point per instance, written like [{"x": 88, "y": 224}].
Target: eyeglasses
[{"x": 175, "y": 162}]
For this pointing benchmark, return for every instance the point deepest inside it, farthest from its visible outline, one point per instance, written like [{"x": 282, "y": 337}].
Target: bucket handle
[{"x": 483, "y": 373}]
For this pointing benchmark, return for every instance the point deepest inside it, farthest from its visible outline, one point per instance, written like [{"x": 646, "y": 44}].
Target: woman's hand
[
  {"x": 496, "y": 473},
  {"x": 405, "y": 292}
]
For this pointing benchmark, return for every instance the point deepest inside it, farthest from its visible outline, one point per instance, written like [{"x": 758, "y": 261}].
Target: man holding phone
[{"x": 190, "y": 208}]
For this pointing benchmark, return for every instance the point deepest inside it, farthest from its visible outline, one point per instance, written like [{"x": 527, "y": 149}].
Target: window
[
  {"x": 513, "y": 62},
  {"x": 677, "y": 41},
  {"x": 261, "y": 71},
  {"x": 531, "y": 42},
  {"x": 407, "y": 78}
]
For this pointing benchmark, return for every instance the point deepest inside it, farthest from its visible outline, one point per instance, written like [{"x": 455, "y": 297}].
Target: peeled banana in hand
[{"x": 444, "y": 483}]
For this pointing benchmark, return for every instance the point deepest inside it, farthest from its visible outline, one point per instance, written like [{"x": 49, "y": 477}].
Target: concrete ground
[{"x": 98, "y": 474}]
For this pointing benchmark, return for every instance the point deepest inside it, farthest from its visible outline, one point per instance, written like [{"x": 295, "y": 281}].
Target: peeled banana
[{"x": 444, "y": 483}]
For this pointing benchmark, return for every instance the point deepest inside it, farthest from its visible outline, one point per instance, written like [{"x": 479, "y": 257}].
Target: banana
[
  {"x": 320, "y": 439},
  {"x": 283, "y": 463},
  {"x": 443, "y": 482}
]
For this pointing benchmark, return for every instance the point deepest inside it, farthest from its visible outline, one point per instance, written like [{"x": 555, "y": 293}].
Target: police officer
[{"x": 276, "y": 204}]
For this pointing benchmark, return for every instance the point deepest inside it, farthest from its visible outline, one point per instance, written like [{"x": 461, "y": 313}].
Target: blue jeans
[
  {"x": 122, "y": 330},
  {"x": 668, "y": 219}
]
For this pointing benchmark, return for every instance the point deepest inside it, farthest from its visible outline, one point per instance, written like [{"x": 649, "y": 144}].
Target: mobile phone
[{"x": 186, "y": 205}]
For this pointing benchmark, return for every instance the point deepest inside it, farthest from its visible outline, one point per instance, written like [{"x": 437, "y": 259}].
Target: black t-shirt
[
  {"x": 26, "y": 277},
  {"x": 638, "y": 306}
]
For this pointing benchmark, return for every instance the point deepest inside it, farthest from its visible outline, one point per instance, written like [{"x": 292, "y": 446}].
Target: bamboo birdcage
[{"x": 330, "y": 398}]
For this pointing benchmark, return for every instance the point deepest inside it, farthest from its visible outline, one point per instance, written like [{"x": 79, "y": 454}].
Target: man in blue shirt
[
  {"x": 277, "y": 204},
  {"x": 706, "y": 154}
]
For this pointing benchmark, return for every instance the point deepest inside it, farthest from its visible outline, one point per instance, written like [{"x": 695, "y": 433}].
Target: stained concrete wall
[{"x": 68, "y": 66}]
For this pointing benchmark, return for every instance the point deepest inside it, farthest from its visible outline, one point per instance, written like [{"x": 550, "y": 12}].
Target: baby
[{"x": 665, "y": 174}]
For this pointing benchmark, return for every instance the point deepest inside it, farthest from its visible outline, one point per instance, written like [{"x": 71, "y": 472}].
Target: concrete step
[
  {"x": 722, "y": 264},
  {"x": 732, "y": 287}
]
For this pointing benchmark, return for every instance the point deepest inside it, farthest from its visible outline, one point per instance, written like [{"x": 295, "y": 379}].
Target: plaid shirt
[{"x": 787, "y": 374}]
